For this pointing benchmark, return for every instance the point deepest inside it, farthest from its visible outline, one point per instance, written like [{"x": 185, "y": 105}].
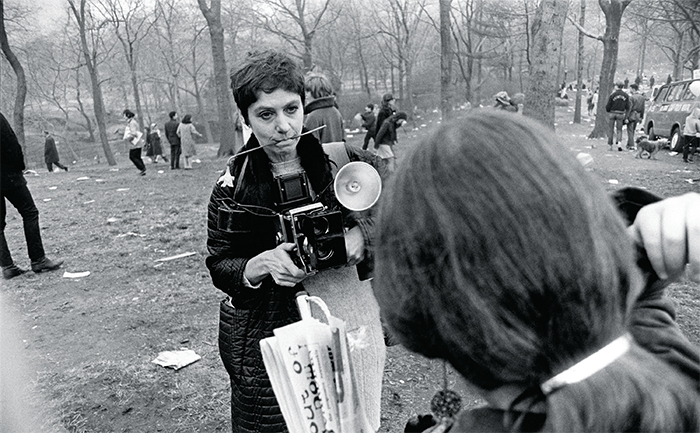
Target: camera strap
[{"x": 337, "y": 154}]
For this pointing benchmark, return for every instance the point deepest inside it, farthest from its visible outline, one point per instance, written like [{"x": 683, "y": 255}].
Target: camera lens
[
  {"x": 321, "y": 226},
  {"x": 324, "y": 252}
]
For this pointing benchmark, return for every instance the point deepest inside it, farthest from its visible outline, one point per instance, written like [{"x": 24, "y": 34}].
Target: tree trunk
[
  {"x": 579, "y": 65},
  {"x": 613, "y": 10},
  {"x": 228, "y": 144},
  {"x": 21, "y": 96},
  {"x": 547, "y": 31},
  {"x": 445, "y": 59},
  {"x": 91, "y": 64}
]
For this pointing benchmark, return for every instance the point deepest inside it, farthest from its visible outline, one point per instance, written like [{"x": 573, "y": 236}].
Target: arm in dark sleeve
[
  {"x": 653, "y": 315},
  {"x": 382, "y": 134}
]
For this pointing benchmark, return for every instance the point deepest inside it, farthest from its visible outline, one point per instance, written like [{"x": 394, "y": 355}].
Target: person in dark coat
[
  {"x": 14, "y": 189},
  {"x": 51, "y": 153},
  {"x": 386, "y": 139},
  {"x": 174, "y": 140},
  {"x": 369, "y": 122},
  {"x": 617, "y": 107},
  {"x": 154, "y": 148},
  {"x": 387, "y": 108},
  {"x": 256, "y": 270},
  {"x": 322, "y": 109}
]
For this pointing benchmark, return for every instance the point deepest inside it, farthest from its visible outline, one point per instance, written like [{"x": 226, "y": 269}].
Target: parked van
[{"x": 666, "y": 114}]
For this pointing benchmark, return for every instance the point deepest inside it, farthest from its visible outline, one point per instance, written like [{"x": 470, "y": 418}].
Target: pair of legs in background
[
  {"x": 50, "y": 165},
  {"x": 16, "y": 192},
  {"x": 689, "y": 142},
  {"x": 135, "y": 157},
  {"x": 175, "y": 152},
  {"x": 616, "y": 121}
]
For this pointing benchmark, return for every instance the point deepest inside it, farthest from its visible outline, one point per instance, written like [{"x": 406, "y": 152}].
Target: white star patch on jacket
[{"x": 226, "y": 179}]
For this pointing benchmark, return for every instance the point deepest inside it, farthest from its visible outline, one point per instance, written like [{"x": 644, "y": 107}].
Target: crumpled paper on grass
[{"x": 176, "y": 359}]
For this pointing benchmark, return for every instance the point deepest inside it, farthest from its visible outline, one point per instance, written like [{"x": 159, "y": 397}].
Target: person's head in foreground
[{"x": 515, "y": 269}]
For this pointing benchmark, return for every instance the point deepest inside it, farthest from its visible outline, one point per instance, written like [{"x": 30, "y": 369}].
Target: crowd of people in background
[{"x": 180, "y": 135}]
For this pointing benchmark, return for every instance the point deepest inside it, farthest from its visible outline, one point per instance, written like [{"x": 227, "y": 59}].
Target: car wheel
[
  {"x": 675, "y": 139},
  {"x": 651, "y": 134}
]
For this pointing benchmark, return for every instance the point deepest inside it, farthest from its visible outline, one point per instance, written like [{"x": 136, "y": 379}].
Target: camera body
[
  {"x": 318, "y": 235},
  {"x": 317, "y": 232}
]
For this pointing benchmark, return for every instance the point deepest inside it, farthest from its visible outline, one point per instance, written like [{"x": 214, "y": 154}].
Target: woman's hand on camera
[
  {"x": 354, "y": 246},
  {"x": 669, "y": 231},
  {"x": 276, "y": 263}
]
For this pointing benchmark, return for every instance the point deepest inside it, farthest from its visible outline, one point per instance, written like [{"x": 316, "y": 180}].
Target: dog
[{"x": 652, "y": 147}]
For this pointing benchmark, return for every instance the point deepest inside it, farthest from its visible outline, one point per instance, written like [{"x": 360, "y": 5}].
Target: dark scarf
[{"x": 258, "y": 183}]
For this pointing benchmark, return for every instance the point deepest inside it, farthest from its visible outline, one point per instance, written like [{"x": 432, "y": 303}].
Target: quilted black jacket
[{"x": 255, "y": 313}]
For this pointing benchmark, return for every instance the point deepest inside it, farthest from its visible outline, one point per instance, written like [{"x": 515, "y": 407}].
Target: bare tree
[
  {"x": 288, "y": 16},
  {"x": 445, "y": 58},
  {"x": 130, "y": 27},
  {"x": 195, "y": 68},
  {"x": 87, "y": 27},
  {"x": 613, "y": 10},
  {"x": 228, "y": 139},
  {"x": 579, "y": 64},
  {"x": 167, "y": 28},
  {"x": 547, "y": 32},
  {"x": 403, "y": 31},
  {"x": 21, "y": 93}
]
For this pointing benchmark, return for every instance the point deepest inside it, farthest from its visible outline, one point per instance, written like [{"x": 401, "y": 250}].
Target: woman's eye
[
  {"x": 265, "y": 115},
  {"x": 292, "y": 109}
]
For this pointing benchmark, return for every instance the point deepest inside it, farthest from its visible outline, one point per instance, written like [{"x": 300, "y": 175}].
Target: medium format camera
[
  {"x": 318, "y": 235},
  {"x": 317, "y": 232}
]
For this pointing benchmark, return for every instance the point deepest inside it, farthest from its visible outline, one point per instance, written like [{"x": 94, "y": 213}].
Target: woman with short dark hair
[{"x": 258, "y": 268}]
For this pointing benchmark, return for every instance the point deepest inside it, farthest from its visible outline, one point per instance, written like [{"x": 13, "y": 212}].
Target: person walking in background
[
  {"x": 635, "y": 114},
  {"x": 186, "y": 131},
  {"x": 153, "y": 142},
  {"x": 322, "y": 109},
  {"x": 369, "y": 122},
  {"x": 386, "y": 139},
  {"x": 387, "y": 108},
  {"x": 134, "y": 140},
  {"x": 174, "y": 140},
  {"x": 691, "y": 134},
  {"x": 14, "y": 189},
  {"x": 51, "y": 153},
  {"x": 617, "y": 107}
]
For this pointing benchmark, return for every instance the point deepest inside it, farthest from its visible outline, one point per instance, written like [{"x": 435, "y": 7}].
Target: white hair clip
[{"x": 588, "y": 366}]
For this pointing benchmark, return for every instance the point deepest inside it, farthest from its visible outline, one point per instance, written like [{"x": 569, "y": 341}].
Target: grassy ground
[{"x": 90, "y": 341}]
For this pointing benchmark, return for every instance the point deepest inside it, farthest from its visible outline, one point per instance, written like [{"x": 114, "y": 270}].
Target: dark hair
[
  {"x": 370, "y": 106},
  {"x": 513, "y": 269},
  {"x": 400, "y": 116},
  {"x": 187, "y": 118},
  {"x": 318, "y": 85},
  {"x": 128, "y": 113},
  {"x": 634, "y": 86},
  {"x": 386, "y": 98},
  {"x": 620, "y": 84},
  {"x": 172, "y": 114},
  {"x": 265, "y": 71}
]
